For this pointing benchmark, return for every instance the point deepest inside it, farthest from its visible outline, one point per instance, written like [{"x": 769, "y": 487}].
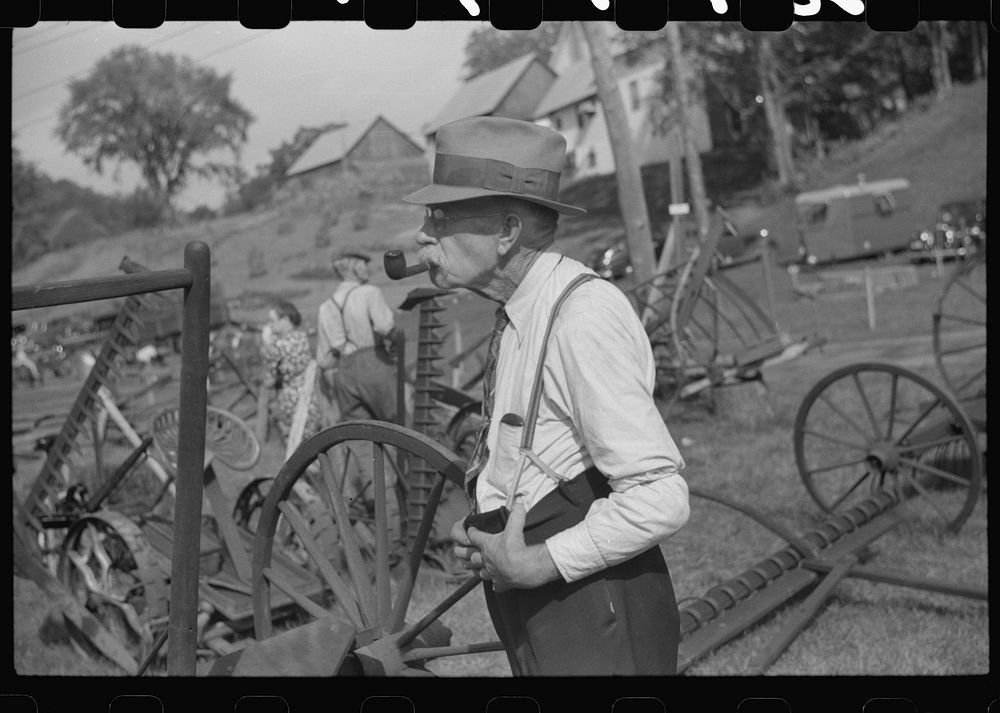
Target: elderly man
[{"x": 574, "y": 479}]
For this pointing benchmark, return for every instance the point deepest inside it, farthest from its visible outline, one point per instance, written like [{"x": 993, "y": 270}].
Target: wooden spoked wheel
[
  {"x": 392, "y": 639},
  {"x": 873, "y": 426},
  {"x": 960, "y": 331}
]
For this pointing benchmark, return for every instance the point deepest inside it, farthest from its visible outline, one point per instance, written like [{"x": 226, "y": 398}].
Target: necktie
[{"x": 481, "y": 453}]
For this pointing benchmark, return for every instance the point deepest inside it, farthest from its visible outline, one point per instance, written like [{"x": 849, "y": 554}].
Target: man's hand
[{"x": 504, "y": 559}]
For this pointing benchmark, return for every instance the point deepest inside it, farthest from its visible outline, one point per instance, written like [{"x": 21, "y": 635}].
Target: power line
[
  {"x": 230, "y": 46},
  {"x": 57, "y": 82},
  {"x": 49, "y": 41}
]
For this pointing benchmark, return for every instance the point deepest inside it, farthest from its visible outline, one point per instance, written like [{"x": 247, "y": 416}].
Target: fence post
[
  {"x": 182, "y": 655},
  {"x": 765, "y": 259},
  {"x": 870, "y": 298}
]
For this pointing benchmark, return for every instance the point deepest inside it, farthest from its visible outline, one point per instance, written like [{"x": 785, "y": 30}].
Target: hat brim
[{"x": 433, "y": 194}]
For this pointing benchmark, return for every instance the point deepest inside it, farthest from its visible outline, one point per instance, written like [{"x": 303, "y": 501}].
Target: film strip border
[
  {"x": 757, "y": 15},
  {"x": 122, "y": 337}
]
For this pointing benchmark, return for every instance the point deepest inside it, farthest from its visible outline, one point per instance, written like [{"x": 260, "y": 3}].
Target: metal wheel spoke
[
  {"x": 934, "y": 404},
  {"x": 838, "y": 441},
  {"x": 962, "y": 350},
  {"x": 922, "y": 447},
  {"x": 836, "y": 466},
  {"x": 447, "y": 603},
  {"x": 382, "y": 591},
  {"x": 340, "y": 588},
  {"x": 963, "y": 319},
  {"x": 927, "y": 496},
  {"x": 287, "y": 588},
  {"x": 867, "y": 405},
  {"x": 416, "y": 556},
  {"x": 349, "y": 540},
  {"x": 971, "y": 291},
  {"x": 971, "y": 380},
  {"x": 836, "y": 409},
  {"x": 850, "y": 490},
  {"x": 894, "y": 390},
  {"x": 928, "y": 468}
]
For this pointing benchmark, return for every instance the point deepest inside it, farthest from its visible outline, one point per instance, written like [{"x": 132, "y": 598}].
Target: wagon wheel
[
  {"x": 106, "y": 563},
  {"x": 872, "y": 426},
  {"x": 391, "y": 643},
  {"x": 460, "y": 434},
  {"x": 960, "y": 331}
]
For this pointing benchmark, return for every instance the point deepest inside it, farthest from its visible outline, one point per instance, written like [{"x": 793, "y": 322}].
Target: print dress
[{"x": 287, "y": 358}]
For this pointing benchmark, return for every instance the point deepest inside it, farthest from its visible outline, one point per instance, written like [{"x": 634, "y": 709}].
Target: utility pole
[
  {"x": 696, "y": 179},
  {"x": 631, "y": 199}
]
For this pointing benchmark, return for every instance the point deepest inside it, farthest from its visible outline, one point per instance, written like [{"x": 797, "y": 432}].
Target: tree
[
  {"x": 488, "y": 48},
  {"x": 158, "y": 112}
]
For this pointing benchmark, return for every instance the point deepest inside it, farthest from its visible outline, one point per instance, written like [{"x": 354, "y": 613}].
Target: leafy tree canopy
[
  {"x": 158, "y": 112},
  {"x": 488, "y": 48}
]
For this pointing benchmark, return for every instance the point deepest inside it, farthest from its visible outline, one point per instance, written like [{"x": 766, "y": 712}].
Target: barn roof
[
  {"x": 481, "y": 95},
  {"x": 334, "y": 145}
]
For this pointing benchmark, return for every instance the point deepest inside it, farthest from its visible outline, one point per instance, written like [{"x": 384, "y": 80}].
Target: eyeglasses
[{"x": 439, "y": 220}]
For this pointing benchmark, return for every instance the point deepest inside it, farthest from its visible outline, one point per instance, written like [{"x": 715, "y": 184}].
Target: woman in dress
[{"x": 287, "y": 353}]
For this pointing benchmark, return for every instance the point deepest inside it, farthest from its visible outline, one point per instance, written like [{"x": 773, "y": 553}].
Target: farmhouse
[{"x": 380, "y": 157}]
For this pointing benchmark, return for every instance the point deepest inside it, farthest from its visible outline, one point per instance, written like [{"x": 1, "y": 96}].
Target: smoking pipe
[{"x": 396, "y": 267}]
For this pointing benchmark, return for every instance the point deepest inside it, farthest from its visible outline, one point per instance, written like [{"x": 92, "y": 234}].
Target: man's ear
[{"x": 512, "y": 228}]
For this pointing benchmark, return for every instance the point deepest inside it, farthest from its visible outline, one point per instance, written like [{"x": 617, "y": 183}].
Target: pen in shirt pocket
[{"x": 513, "y": 419}]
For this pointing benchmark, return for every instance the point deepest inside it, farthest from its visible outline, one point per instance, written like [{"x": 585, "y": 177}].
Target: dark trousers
[
  {"x": 621, "y": 621},
  {"x": 365, "y": 386}
]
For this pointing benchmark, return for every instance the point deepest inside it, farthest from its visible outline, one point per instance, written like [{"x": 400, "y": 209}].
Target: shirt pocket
[{"x": 506, "y": 457}]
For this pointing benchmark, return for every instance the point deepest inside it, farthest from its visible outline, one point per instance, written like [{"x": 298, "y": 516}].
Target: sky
[{"x": 306, "y": 74}]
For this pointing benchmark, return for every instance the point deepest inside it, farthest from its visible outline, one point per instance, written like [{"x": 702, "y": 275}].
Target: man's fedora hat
[{"x": 494, "y": 156}]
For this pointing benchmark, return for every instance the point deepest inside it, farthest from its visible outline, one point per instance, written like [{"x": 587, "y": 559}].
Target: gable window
[
  {"x": 633, "y": 93},
  {"x": 557, "y": 123},
  {"x": 591, "y": 158}
]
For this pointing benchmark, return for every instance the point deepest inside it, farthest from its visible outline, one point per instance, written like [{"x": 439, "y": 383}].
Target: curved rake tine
[
  {"x": 382, "y": 591},
  {"x": 338, "y": 586},
  {"x": 866, "y": 403},
  {"x": 355, "y": 562}
]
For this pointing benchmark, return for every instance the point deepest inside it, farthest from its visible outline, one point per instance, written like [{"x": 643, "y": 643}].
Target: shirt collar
[{"x": 522, "y": 302}]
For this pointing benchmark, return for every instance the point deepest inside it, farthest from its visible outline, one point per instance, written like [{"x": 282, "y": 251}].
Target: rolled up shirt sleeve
[{"x": 602, "y": 376}]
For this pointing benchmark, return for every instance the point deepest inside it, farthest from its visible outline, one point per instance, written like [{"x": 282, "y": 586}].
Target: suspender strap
[
  {"x": 528, "y": 434},
  {"x": 340, "y": 310}
]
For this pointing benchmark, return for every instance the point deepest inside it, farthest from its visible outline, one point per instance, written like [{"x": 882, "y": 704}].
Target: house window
[
  {"x": 884, "y": 204},
  {"x": 569, "y": 165},
  {"x": 633, "y": 92},
  {"x": 581, "y": 119},
  {"x": 557, "y": 123},
  {"x": 591, "y": 158}
]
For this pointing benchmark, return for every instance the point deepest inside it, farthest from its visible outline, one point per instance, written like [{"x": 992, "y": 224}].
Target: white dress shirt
[
  {"x": 364, "y": 312},
  {"x": 596, "y": 409}
]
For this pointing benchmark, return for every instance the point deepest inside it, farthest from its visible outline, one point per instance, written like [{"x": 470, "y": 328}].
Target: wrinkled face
[{"x": 459, "y": 242}]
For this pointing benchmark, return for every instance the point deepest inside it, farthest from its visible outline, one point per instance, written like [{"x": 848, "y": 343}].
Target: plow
[{"x": 293, "y": 579}]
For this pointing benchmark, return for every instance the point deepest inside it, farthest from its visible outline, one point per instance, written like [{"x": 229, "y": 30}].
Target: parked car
[
  {"x": 960, "y": 230},
  {"x": 610, "y": 259}
]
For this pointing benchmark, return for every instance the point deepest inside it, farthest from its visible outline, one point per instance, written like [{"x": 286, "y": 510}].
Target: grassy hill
[{"x": 940, "y": 148}]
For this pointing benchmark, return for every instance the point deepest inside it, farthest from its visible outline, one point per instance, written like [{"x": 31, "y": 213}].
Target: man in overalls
[{"x": 574, "y": 479}]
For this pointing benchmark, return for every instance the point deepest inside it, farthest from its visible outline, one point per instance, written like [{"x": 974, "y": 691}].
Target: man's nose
[{"x": 423, "y": 238}]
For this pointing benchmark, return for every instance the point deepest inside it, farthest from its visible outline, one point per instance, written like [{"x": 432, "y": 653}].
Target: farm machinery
[{"x": 360, "y": 612}]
